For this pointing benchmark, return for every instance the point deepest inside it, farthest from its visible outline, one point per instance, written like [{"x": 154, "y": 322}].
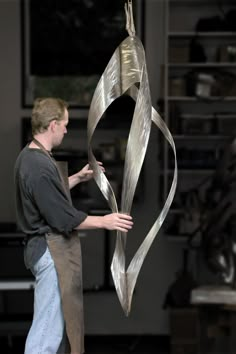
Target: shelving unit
[{"x": 199, "y": 100}]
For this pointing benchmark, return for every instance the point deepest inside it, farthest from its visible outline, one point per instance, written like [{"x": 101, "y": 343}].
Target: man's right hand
[
  {"x": 114, "y": 221},
  {"x": 118, "y": 221}
]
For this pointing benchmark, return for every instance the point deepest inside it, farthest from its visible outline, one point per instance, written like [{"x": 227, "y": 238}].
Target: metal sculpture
[{"x": 126, "y": 74}]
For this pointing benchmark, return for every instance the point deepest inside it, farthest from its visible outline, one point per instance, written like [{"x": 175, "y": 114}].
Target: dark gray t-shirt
[{"x": 42, "y": 205}]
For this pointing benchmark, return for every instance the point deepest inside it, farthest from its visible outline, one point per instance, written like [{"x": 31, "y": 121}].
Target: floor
[{"x": 102, "y": 345}]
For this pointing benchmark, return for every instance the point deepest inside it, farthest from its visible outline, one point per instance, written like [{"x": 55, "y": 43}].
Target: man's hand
[
  {"x": 114, "y": 221},
  {"x": 84, "y": 175},
  {"x": 118, "y": 221}
]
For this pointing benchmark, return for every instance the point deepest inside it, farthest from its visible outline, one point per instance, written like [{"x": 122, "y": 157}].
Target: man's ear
[{"x": 52, "y": 125}]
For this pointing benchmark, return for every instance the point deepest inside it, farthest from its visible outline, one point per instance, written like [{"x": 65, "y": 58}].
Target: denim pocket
[{"x": 44, "y": 262}]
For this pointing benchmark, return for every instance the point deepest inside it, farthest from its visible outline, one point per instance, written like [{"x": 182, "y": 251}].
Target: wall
[{"x": 103, "y": 313}]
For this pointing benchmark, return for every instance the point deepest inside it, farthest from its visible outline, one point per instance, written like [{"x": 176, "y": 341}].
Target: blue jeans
[{"x": 47, "y": 328}]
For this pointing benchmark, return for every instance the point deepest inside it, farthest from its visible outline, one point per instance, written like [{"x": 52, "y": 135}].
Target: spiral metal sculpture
[{"x": 126, "y": 73}]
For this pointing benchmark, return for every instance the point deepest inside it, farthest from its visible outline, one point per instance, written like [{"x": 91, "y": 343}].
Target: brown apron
[{"x": 66, "y": 253}]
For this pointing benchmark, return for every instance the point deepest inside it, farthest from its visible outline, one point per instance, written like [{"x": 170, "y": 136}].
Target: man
[{"x": 47, "y": 217}]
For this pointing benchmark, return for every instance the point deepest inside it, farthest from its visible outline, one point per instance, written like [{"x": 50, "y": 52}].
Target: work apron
[{"x": 66, "y": 254}]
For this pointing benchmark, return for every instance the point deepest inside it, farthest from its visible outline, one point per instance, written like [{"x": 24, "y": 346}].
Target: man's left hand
[{"x": 86, "y": 173}]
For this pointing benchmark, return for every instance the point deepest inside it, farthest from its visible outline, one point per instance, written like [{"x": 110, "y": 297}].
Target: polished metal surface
[{"x": 126, "y": 74}]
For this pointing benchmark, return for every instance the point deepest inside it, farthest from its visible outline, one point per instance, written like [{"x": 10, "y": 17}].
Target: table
[{"x": 217, "y": 308}]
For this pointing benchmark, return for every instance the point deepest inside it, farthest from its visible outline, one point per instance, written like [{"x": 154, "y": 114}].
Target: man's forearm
[
  {"x": 73, "y": 180},
  {"x": 113, "y": 221},
  {"x": 92, "y": 222}
]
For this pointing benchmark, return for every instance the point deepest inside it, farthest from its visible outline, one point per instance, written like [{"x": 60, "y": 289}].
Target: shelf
[
  {"x": 189, "y": 171},
  {"x": 193, "y": 170},
  {"x": 76, "y": 154},
  {"x": 199, "y": 2},
  {"x": 200, "y": 137},
  {"x": 209, "y": 116},
  {"x": 177, "y": 238},
  {"x": 202, "y": 65},
  {"x": 202, "y": 99},
  {"x": 190, "y": 34},
  {"x": 7, "y": 285},
  {"x": 70, "y": 154},
  {"x": 214, "y": 115},
  {"x": 176, "y": 211}
]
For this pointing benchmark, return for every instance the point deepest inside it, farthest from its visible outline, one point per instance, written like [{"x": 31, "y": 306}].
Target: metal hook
[{"x": 129, "y": 18}]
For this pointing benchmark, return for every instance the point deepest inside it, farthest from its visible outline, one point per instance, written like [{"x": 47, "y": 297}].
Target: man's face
[{"x": 60, "y": 129}]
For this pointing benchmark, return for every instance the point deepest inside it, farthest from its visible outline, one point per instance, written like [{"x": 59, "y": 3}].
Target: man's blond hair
[{"x": 46, "y": 110}]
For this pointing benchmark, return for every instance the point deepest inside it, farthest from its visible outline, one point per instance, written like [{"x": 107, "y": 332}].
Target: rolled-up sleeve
[{"x": 53, "y": 204}]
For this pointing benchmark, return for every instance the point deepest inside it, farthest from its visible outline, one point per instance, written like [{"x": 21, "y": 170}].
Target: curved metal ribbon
[{"x": 126, "y": 73}]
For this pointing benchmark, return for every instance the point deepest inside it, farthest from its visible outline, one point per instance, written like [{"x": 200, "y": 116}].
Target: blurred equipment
[{"x": 217, "y": 224}]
